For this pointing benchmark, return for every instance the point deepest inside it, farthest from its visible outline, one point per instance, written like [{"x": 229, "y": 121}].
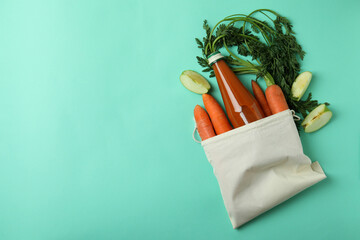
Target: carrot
[
  {"x": 276, "y": 99},
  {"x": 260, "y": 97},
  {"x": 217, "y": 115},
  {"x": 203, "y": 123}
]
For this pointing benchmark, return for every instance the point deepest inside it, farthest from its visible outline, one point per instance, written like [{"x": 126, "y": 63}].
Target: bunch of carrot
[
  {"x": 274, "y": 102},
  {"x": 216, "y": 124},
  {"x": 214, "y": 121}
]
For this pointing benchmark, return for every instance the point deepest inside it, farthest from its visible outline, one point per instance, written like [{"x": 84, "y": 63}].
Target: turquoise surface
[{"x": 95, "y": 127}]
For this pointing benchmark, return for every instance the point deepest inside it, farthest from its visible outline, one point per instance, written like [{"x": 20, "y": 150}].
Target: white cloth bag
[{"x": 260, "y": 165}]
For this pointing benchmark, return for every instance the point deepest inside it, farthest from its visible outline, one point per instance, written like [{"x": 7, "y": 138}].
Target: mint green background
[{"x": 95, "y": 127}]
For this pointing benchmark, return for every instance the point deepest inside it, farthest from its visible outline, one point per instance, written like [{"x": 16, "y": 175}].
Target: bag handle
[
  {"x": 193, "y": 135},
  {"x": 296, "y": 117}
]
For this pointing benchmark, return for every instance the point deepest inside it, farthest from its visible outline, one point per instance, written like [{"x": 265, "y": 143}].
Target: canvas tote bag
[{"x": 260, "y": 165}]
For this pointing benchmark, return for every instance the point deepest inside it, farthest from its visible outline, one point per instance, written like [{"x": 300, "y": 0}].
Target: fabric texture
[{"x": 260, "y": 165}]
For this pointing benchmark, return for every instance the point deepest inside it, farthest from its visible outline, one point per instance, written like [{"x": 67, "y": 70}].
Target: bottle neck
[{"x": 214, "y": 57}]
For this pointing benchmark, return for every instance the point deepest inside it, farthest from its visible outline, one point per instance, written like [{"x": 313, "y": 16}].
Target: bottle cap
[{"x": 214, "y": 57}]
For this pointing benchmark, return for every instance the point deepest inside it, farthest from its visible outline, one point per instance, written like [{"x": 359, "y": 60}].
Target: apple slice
[
  {"x": 300, "y": 85},
  {"x": 317, "y": 118},
  {"x": 194, "y": 82}
]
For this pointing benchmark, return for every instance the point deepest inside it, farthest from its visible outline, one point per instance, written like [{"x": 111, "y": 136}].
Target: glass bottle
[{"x": 241, "y": 106}]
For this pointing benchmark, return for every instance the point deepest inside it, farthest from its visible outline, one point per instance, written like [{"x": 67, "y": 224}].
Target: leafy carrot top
[{"x": 271, "y": 44}]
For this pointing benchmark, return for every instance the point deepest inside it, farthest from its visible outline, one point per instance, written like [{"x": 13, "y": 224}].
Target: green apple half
[
  {"x": 300, "y": 85},
  {"x": 317, "y": 118},
  {"x": 194, "y": 82}
]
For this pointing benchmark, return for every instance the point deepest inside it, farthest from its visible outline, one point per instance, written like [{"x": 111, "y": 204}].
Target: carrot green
[{"x": 271, "y": 44}]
